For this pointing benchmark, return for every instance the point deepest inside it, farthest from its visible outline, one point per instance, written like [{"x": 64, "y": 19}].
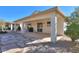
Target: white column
[
  {"x": 21, "y": 25},
  {"x": 11, "y": 26},
  {"x": 14, "y": 27},
  {"x": 53, "y": 28},
  {"x": 24, "y": 25},
  {"x": 2, "y": 27}
]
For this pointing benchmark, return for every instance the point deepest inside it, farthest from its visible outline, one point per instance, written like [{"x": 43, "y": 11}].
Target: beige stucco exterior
[{"x": 44, "y": 17}]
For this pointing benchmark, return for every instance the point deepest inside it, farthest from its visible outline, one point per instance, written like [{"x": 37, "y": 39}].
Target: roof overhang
[{"x": 42, "y": 12}]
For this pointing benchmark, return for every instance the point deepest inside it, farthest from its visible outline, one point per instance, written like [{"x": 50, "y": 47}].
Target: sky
[{"x": 12, "y": 13}]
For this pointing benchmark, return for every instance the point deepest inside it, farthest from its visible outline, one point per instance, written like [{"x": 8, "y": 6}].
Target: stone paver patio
[{"x": 13, "y": 42}]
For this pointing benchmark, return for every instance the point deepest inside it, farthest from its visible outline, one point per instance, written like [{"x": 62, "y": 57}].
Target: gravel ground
[
  {"x": 49, "y": 47},
  {"x": 17, "y": 43}
]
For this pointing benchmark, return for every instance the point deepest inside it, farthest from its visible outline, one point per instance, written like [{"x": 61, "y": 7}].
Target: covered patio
[{"x": 50, "y": 21}]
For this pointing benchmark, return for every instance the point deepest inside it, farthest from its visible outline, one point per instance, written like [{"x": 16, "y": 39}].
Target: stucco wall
[
  {"x": 43, "y": 19},
  {"x": 46, "y": 29},
  {"x": 60, "y": 25}
]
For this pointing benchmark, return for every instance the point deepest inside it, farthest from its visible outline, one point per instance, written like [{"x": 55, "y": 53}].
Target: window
[
  {"x": 39, "y": 27},
  {"x": 48, "y": 23}
]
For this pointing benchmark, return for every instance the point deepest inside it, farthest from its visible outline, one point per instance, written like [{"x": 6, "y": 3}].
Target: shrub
[
  {"x": 7, "y": 28},
  {"x": 73, "y": 31},
  {"x": 18, "y": 28},
  {"x": 30, "y": 29}
]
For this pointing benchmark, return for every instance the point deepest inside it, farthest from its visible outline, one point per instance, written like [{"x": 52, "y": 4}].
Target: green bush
[
  {"x": 73, "y": 31},
  {"x": 7, "y": 28},
  {"x": 18, "y": 28},
  {"x": 30, "y": 29}
]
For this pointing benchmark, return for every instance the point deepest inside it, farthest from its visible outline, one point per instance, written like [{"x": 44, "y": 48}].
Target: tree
[
  {"x": 67, "y": 19},
  {"x": 73, "y": 27},
  {"x": 73, "y": 31},
  {"x": 75, "y": 15}
]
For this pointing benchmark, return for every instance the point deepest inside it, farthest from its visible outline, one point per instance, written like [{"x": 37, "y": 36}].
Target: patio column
[
  {"x": 14, "y": 27},
  {"x": 11, "y": 27},
  {"x": 21, "y": 25},
  {"x": 2, "y": 27},
  {"x": 25, "y": 26},
  {"x": 53, "y": 28}
]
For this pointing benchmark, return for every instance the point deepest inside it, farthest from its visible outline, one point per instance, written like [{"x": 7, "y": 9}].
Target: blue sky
[{"x": 12, "y": 13}]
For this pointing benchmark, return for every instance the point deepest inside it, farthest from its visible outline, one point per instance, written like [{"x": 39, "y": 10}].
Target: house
[
  {"x": 48, "y": 21},
  {"x": 3, "y": 25},
  {"x": 40, "y": 21}
]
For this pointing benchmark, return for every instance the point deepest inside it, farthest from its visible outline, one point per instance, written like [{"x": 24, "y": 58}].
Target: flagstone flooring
[{"x": 13, "y": 42}]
